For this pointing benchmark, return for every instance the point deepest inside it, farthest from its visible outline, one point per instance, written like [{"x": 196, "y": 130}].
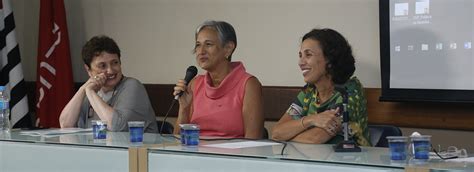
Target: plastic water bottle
[{"x": 4, "y": 110}]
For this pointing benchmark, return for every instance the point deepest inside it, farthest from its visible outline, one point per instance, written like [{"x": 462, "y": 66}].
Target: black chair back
[
  {"x": 379, "y": 133},
  {"x": 167, "y": 127},
  {"x": 265, "y": 133}
]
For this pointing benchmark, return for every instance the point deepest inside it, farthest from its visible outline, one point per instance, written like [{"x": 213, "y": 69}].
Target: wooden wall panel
[
  {"x": 416, "y": 115},
  {"x": 457, "y": 116},
  {"x": 277, "y": 99},
  {"x": 161, "y": 97}
]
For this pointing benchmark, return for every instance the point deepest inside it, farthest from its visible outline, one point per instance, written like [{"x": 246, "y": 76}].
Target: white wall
[{"x": 156, "y": 36}]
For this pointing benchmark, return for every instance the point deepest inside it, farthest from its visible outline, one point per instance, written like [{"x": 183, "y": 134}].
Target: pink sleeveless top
[{"x": 218, "y": 110}]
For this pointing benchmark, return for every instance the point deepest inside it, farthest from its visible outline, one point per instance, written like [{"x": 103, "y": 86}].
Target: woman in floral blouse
[{"x": 326, "y": 62}]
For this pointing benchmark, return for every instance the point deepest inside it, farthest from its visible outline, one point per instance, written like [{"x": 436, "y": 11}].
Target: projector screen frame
[{"x": 409, "y": 95}]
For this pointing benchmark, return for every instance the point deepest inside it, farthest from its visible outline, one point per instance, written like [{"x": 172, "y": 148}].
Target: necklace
[{"x": 318, "y": 100}]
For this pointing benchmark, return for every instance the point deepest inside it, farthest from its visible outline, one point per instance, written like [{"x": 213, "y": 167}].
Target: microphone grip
[
  {"x": 178, "y": 95},
  {"x": 190, "y": 74}
]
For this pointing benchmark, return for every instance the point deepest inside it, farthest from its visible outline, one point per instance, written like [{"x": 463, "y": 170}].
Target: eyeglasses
[{"x": 450, "y": 153}]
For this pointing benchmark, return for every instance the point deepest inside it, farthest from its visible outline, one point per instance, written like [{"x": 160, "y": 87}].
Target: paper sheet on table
[
  {"x": 468, "y": 159},
  {"x": 244, "y": 144},
  {"x": 54, "y": 132}
]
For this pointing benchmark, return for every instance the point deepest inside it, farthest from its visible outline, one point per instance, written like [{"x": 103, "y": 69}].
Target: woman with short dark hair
[{"x": 107, "y": 95}]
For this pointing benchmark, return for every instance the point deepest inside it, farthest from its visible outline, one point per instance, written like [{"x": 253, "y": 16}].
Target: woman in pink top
[{"x": 225, "y": 101}]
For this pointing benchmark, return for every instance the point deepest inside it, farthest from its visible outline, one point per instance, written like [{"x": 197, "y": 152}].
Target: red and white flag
[{"x": 54, "y": 83}]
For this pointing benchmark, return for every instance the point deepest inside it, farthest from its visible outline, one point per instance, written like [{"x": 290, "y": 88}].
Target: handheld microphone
[{"x": 191, "y": 72}]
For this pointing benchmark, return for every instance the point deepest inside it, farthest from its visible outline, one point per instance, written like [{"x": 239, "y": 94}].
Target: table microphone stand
[{"x": 346, "y": 145}]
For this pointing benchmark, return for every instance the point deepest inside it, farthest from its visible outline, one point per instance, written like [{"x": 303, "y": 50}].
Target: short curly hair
[
  {"x": 97, "y": 45},
  {"x": 337, "y": 51}
]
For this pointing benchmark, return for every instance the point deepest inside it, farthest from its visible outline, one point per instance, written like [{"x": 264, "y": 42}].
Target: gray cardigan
[{"x": 130, "y": 103}]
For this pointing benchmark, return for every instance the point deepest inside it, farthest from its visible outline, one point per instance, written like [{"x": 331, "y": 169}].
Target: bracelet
[{"x": 302, "y": 124}]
